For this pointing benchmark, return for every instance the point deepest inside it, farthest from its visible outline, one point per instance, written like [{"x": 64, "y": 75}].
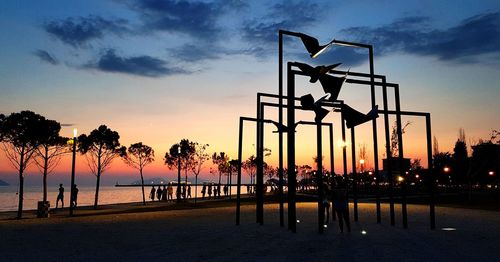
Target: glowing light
[
  {"x": 446, "y": 169},
  {"x": 363, "y": 232},
  {"x": 370, "y": 173},
  {"x": 178, "y": 149},
  {"x": 491, "y": 173},
  {"x": 298, "y": 221},
  {"x": 449, "y": 229},
  {"x": 325, "y": 226},
  {"x": 417, "y": 176},
  {"x": 400, "y": 179},
  {"x": 362, "y": 161},
  {"x": 75, "y": 132},
  {"x": 342, "y": 143}
]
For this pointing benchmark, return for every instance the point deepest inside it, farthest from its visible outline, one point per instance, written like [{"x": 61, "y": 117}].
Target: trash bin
[{"x": 43, "y": 209}]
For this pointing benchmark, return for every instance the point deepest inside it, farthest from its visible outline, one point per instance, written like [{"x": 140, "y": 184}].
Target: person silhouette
[
  {"x": 189, "y": 191},
  {"x": 203, "y": 191},
  {"x": 60, "y": 196},
  {"x": 152, "y": 193},
  {"x": 170, "y": 192},
  {"x": 158, "y": 193},
  {"x": 209, "y": 191},
  {"x": 74, "y": 196},
  {"x": 164, "y": 193},
  {"x": 341, "y": 204}
]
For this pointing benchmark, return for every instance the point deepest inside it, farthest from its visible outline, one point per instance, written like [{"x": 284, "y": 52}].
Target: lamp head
[{"x": 75, "y": 132}]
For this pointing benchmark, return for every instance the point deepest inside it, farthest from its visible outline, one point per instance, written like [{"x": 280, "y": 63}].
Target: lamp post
[
  {"x": 178, "y": 193},
  {"x": 71, "y": 206}
]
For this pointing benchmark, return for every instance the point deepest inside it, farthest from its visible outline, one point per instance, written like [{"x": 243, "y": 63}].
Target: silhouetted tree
[
  {"x": 460, "y": 157},
  {"x": 100, "y": 148},
  {"x": 200, "y": 156},
  {"x": 187, "y": 153},
  {"x": 394, "y": 138},
  {"x": 139, "y": 156},
  {"x": 220, "y": 161},
  {"x": 20, "y": 137},
  {"x": 250, "y": 167},
  {"x": 50, "y": 150},
  {"x": 435, "y": 146},
  {"x": 442, "y": 160}
]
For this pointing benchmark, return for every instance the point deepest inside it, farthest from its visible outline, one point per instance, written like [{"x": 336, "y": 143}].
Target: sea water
[{"x": 9, "y": 197}]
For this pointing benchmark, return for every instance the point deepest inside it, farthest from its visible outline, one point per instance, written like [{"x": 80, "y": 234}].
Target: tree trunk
[
  {"x": 45, "y": 166},
  {"x": 98, "y": 179},
  {"x": 142, "y": 185},
  {"x": 21, "y": 184},
  {"x": 195, "y": 188}
]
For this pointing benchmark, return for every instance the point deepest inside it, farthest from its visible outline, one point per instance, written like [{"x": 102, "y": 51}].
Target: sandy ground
[{"x": 209, "y": 234}]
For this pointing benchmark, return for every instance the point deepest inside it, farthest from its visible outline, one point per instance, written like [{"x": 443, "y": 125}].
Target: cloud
[
  {"x": 79, "y": 31},
  {"x": 472, "y": 37},
  {"x": 195, "y": 19},
  {"x": 146, "y": 66},
  {"x": 288, "y": 15},
  {"x": 195, "y": 53},
  {"x": 46, "y": 57}
]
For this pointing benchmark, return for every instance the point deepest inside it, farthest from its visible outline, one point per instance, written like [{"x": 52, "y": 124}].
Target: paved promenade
[{"x": 209, "y": 234}]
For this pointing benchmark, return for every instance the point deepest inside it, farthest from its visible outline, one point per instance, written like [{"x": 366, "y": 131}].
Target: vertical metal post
[
  {"x": 178, "y": 193},
  {"x": 260, "y": 167},
  {"x": 319, "y": 176},
  {"x": 71, "y": 207},
  {"x": 230, "y": 179},
  {"x": 389, "y": 155},
  {"x": 354, "y": 175},
  {"x": 238, "y": 190},
  {"x": 292, "y": 180},
  {"x": 280, "y": 134},
  {"x": 401, "y": 159},
  {"x": 430, "y": 171},
  {"x": 332, "y": 162},
  {"x": 374, "y": 126}
]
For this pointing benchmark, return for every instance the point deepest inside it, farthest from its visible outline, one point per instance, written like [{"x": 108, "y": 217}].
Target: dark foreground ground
[{"x": 209, "y": 234}]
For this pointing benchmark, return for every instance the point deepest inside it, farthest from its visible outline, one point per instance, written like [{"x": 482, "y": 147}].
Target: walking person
[
  {"x": 60, "y": 196},
  {"x": 341, "y": 205},
  {"x": 189, "y": 191},
  {"x": 74, "y": 196},
  {"x": 152, "y": 194},
  {"x": 209, "y": 191}
]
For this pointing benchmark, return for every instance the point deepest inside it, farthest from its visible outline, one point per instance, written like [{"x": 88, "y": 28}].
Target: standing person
[
  {"x": 164, "y": 193},
  {"x": 60, "y": 196},
  {"x": 326, "y": 202},
  {"x": 158, "y": 193},
  {"x": 74, "y": 196},
  {"x": 203, "y": 191},
  {"x": 340, "y": 202},
  {"x": 152, "y": 194},
  {"x": 218, "y": 190},
  {"x": 170, "y": 192},
  {"x": 189, "y": 191},
  {"x": 209, "y": 191}
]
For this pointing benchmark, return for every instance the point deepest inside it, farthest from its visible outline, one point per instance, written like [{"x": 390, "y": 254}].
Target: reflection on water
[{"x": 107, "y": 195}]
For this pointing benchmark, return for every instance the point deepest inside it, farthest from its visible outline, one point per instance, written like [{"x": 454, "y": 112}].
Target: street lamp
[
  {"x": 446, "y": 169},
  {"x": 178, "y": 193},
  {"x": 71, "y": 206}
]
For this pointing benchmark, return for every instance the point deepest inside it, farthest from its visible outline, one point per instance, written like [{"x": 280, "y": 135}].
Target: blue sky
[{"x": 159, "y": 71}]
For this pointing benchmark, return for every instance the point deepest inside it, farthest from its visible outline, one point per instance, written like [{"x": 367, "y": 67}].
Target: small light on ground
[
  {"x": 298, "y": 221},
  {"x": 363, "y": 232},
  {"x": 325, "y": 226},
  {"x": 448, "y": 229}
]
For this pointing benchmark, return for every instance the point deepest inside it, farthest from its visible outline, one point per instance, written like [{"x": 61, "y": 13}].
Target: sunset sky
[{"x": 160, "y": 71}]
